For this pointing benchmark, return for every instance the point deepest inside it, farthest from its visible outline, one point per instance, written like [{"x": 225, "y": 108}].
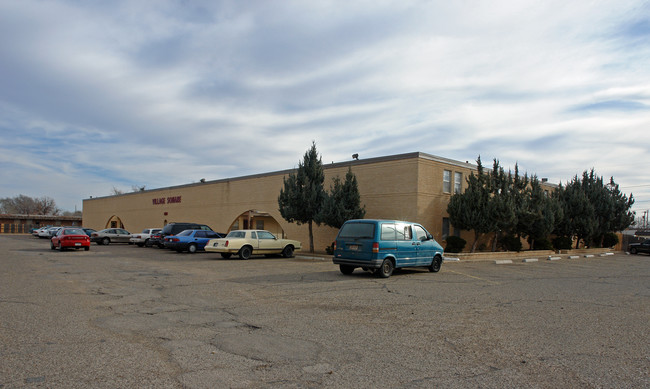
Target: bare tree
[{"x": 25, "y": 205}]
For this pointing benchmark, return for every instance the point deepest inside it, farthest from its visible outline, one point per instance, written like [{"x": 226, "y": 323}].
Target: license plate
[
  {"x": 77, "y": 244},
  {"x": 353, "y": 247}
]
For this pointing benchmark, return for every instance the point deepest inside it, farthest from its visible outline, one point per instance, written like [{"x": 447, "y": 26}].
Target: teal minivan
[{"x": 380, "y": 246}]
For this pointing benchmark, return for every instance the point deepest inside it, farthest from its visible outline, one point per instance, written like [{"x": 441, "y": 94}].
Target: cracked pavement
[{"x": 123, "y": 316}]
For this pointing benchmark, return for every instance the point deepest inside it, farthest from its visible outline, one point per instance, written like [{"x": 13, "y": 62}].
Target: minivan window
[
  {"x": 388, "y": 231},
  {"x": 403, "y": 231},
  {"x": 420, "y": 233},
  {"x": 357, "y": 230}
]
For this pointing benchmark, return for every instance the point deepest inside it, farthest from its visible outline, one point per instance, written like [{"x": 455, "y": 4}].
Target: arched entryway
[
  {"x": 254, "y": 219},
  {"x": 114, "y": 222}
]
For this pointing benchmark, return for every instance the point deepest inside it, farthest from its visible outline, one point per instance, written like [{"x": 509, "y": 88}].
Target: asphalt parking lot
[{"x": 124, "y": 316}]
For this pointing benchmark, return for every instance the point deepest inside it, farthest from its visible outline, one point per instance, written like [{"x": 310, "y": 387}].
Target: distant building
[
  {"x": 414, "y": 187},
  {"x": 22, "y": 224}
]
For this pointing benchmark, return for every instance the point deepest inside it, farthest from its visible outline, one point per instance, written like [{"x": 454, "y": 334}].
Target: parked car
[
  {"x": 190, "y": 240},
  {"x": 643, "y": 247},
  {"x": 380, "y": 246},
  {"x": 142, "y": 239},
  {"x": 155, "y": 239},
  {"x": 111, "y": 235},
  {"x": 39, "y": 230},
  {"x": 250, "y": 242},
  {"x": 70, "y": 237},
  {"x": 175, "y": 228},
  {"x": 48, "y": 233}
]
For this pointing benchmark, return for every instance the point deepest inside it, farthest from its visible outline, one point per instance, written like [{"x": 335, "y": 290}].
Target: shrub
[
  {"x": 562, "y": 243},
  {"x": 455, "y": 244},
  {"x": 610, "y": 239},
  {"x": 543, "y": 244},
  {"x": 511, "y": 243}
]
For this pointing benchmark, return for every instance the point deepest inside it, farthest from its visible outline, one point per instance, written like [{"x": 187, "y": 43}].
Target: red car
[{"x": 70, "y": 237}]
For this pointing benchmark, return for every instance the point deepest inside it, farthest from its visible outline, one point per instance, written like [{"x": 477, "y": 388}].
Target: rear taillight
[
  {"x": 226, "y": 245},
  {"x": 375, "y": 247},
  {"x": 334, "y": 245},
  {"x": 175, "y": 239}
]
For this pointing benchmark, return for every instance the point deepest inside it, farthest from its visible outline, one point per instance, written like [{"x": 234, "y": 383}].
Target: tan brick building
[{"x": 413, "y": 186}]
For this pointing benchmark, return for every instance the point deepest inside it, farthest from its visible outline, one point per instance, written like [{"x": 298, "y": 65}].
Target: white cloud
[{"x": 222, "y": 89}]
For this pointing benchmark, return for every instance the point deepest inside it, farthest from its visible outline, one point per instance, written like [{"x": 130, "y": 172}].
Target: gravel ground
[{"x": 123, "y": 316}]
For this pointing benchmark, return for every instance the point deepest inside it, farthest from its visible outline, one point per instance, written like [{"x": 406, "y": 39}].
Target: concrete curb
[
  {"x": 503, "y": 261},
  {"x": 528, "y": 260}
]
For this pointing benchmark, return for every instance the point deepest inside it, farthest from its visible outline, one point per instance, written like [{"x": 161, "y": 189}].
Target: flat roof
[{"x": 333, "y": 165}]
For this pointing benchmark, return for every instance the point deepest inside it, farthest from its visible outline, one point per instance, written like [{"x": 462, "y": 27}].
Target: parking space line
[{"x": 475, "y": 277}]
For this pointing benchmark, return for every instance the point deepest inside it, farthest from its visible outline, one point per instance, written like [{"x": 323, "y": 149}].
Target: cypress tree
[
  {"x": 343, "y": 202},
  {"x": 302, "y": 196}
]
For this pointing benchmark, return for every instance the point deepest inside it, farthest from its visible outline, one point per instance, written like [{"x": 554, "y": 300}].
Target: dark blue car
[{"x": 190, "y": 240}]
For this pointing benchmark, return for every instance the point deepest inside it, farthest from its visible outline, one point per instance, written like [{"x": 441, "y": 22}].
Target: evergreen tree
[
  {"x": 301, "y": 199},
  {"x": 343, "y": 202},
  {"x": 539, "y": 215},
  {"x": 470, "y": 210},
  {"x": 501, "y": 203},
  {"x": 622, "y": 216}
]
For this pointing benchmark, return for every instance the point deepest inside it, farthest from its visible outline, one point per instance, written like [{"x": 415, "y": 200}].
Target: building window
[
  {"x": 445, "y": 228},
  {"x": 458, "y": 180},
  {"x": 259, "y": 224},
  {"x": 446, "y": 181}
]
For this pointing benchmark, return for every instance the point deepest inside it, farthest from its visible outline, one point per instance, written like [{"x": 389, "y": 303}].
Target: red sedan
[{"x": 70, "y": 237}]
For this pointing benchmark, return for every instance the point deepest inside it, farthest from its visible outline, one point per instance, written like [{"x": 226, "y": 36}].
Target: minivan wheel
[
  {"x": 346, "y": 269},
  {"x": 435, "y": 264},
  {"x": 632, "y": 251},
  {"x": 386, "y": 269},
  {"x": 245, "y": 252}
]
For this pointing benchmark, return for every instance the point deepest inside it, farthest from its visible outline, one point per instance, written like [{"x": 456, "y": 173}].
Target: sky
[{"x": 97, "y": 95}]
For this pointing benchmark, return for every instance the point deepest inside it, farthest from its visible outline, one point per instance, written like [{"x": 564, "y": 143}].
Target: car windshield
[
  {"x": 236, "y": 234},
  {"x": 74, "y": 231},
  {"x": 357, "y": 230},
  {"x": 185, "y": 233}
]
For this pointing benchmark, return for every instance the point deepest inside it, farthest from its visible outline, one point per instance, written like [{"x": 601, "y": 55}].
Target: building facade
[
  {"x": 414, "y": 187},
  {"x": 23, "y": 224}
]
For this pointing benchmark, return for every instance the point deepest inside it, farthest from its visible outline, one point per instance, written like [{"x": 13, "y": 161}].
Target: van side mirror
[{"x": 429, "y": 237}]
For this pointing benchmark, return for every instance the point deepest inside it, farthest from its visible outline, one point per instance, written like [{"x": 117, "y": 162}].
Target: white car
[
  {"x": 142, "y": 239},
  {"x": 245, "y": 243},
  {"x": 48, "y": 233},
  {"x": 38, "y": 231}
]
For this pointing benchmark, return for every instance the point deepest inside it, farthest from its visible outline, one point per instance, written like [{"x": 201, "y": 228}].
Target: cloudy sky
[{"x": 102, "y": 94}]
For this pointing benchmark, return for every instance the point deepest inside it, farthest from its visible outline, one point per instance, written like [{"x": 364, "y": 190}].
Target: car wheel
[
  {"x": 86, "y": 248},
  {"x": 61, "y": 248},
  {"x": 346, "y": 269},
  {"x": 435, "y": 264},
  {"x": 192, "y": 248},
  {"x": 245, "y": 252},
  {"x": 386, "y": 269},
  {"x": 287, "y": 252},
  {"x": 52, "y": 246},
  {"x": 633, "y": 250},
  {"x": 226, "y": 255},
  {"x": 106, "y": 241}
]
